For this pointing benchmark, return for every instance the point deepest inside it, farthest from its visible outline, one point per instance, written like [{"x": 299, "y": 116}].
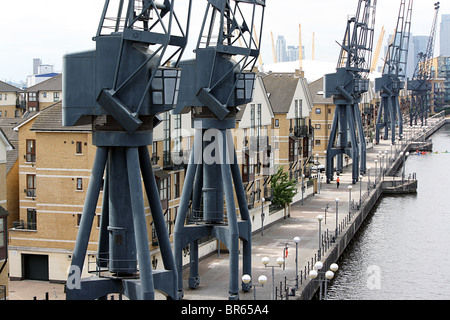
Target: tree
[{"x": 283, "y": 189}]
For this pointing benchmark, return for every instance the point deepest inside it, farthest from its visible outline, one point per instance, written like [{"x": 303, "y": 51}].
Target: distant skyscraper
[
  {"x": 445, "y": 35},
  {"x": 420, "y": 46},
  {"x": 292, "y": 53},
  {"x": 36, "y": 63},
  {"x": 281, "y": 49}
]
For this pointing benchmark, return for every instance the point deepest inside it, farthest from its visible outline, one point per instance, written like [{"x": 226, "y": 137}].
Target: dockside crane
[
  {"x": 213, "y": 85},
  {"x": 419, "y": 85},
  {"x": 120, "y": 88},
  {"x": 346, "y": 86},
  {"x": 393, "y": 76}
]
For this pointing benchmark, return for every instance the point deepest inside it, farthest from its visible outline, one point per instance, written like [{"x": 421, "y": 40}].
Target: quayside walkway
[{"x": 303, "y": 223}]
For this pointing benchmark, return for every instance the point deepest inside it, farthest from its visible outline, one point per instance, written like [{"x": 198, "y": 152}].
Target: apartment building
[
  {"x": 12, "y": 101},
  {"x": 44, "y": 94},
  {"x": 321, "y": 118},
  {"x": 55, "y": 164},
  {"x": 5, "y": 145},
  {"x": 292, "y": 104},
  {"x": 254, "y": 143},
  {"x": 54, "y": 170}
]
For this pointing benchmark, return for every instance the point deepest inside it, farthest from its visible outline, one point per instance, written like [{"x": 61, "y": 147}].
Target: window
[
  {"x": 169, "y": 221},
  {"x": 79, "y": 147},
  {"x": 318, "y": 111},
  {"x": 167, "y": 139},
  {"x": 2, "y": 239},
  {"x": 44, "y": 94},
  {"x": 317, "y": 143},
  {"x": 55, "y": 96},
  {"x": 154, "y": 153},
  {"x": 31, "y": 185},
  {"x": 176, "y": 185},
  {"x": 31, "y": 151},
  {"x": 79, "y": 183},
  {"x": 317, "y": 126},
  {"x": 31, "y": 219},
  {"x": 164, "y": 189},
  {"x": 298, "y": 109},
  {"x": 32, "y": 96},
  {"x": 277, "y": 123}
]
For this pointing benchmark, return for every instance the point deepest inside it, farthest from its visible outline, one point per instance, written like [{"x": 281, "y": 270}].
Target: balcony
[
  {"x": 301, "y": 131},
  {"x": 175, "y": 160},
  {"x": 22, "y": 225},
  {"x": 259, "y": 143}
]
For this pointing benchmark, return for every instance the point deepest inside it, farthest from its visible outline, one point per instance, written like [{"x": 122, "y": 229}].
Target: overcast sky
[{"x": 48, "y": 29}]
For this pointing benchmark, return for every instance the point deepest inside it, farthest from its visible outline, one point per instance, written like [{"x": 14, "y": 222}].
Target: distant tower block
[
  {"x": 120, "y": 88},
  {"x": 212, "y": 86}
]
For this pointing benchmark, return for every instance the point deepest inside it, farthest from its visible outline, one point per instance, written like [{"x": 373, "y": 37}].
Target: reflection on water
[{"x": 402, "y": 251}]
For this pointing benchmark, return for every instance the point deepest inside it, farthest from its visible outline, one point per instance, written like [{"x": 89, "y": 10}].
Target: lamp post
[
  {"x": 320, "y": 218},
  {"x": 247, "y": 279},
  {"x": 318, "y": 172},
  {"x": 316, "y": 274},
  {"x": 337, "y": 207},
  {"x": 360, "y": 189},
  {"x": 368, "y": 178},
  {"x": 303, "y": 187},
  {"x": 376, "y": 173},
  {"x": 265, "y": 262},
  {"x": 262, "y": 215},
  {"x": 349, "y": 200},
  {"x": 296, "y": 241}
]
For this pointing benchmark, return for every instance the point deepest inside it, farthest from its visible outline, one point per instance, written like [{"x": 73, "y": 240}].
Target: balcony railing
[
  {"x": 301, "y": 131},
  {"x": 22, "y": 225}
]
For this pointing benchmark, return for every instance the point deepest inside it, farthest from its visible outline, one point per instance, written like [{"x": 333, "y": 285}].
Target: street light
[
  {"x": 316, "y": 274},
  {"x": 296, "y": 241},
  {"x": 247, "y": 279},
  {"x": 376, "y": 161},
  {"x": 320, "y": 218},
  {"x": 349, "y": 200},
  {"x": 337, "y": 206},
  {"x": 360, "y": 189},
  {"x": 303, "y": 188},
  {"x": 262, "y": 215},
  {"x": 265, "y": 261}
]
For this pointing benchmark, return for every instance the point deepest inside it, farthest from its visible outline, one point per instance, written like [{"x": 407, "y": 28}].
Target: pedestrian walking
[{"x": 337, "y": 182}]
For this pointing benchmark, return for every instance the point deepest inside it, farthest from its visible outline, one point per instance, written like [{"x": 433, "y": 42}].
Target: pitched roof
[
  {"x": 6, "y": 87},
  {"x": 52, "y": 84},
  {"x": 50, "y": 119},
  {"x": 281, "y": 88},
  {"x": 317, "y": 93}
]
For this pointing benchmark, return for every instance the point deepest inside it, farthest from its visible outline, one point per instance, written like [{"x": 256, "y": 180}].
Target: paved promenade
[{"x": 303, "y": 223}]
